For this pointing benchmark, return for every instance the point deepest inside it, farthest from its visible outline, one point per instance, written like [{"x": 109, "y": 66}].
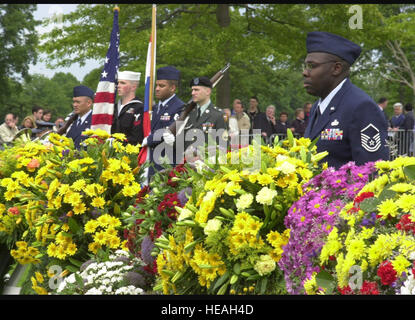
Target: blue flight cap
[
  {"x": 318, "y": 41},
  {"x": 168, "y": 73},
  {"x": 83, "y": 91}
]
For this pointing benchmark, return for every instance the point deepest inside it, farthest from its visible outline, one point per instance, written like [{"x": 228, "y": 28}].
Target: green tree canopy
[{"x": 18, "y": 41}]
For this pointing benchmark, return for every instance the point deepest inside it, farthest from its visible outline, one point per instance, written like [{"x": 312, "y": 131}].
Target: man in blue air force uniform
[
  {"x": 82, "y": 102},
  {"x": 164, "y": 113},
  {"x": 349, "y": 124}
]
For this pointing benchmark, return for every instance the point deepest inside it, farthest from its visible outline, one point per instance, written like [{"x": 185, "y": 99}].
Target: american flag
[
  {"x": 148, "y": 95},
  {"x": 103, "y": 110}
]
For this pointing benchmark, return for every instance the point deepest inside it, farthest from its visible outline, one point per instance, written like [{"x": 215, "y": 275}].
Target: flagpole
[{"x": 153, "y": 56}]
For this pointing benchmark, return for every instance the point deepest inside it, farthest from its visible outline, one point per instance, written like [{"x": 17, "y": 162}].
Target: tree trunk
[{"x": 223, "y": 89}]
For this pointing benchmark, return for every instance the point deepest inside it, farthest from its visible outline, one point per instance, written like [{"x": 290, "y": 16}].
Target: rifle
[
  {"x": 65, "y": 127},
  {"x": 191, "y": 104}
]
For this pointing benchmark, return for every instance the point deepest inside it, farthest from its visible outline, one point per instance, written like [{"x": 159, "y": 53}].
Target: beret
[{"x": 201, "y": 81}]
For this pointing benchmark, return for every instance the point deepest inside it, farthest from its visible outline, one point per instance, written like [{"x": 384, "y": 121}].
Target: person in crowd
[
  {"x": 205, "y": 123},
  {"x": 165, "y": 113},
  {"x": 47, "y": 116},
  {"x": 82, "y": 102},
  {"x": 348, "y": 123},
  {"x": 383, "y": 103},
  {"x": 227, "y": 114},
  {"x": 408, "y": 127},
  {"x": 398, "y": 117},
  {"x": 307, "y": 107},
  {"x": 253, "y": 110},
  {"x": 28, "y": 122},
  {"x": 59, "y": 122},
  {"x": 8, "y": 129},
  {"x": 282, "y": 125},
  {"x": 128, "y": 114},
  {"x": 298, "y": 125},
  {"x": 266, "y": 123},
  {"x": 238, "y": 121}
]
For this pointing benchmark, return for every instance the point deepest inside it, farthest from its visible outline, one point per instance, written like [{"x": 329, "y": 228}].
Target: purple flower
[
  {"x": 95, "y": 213},
  {"x": 135, "y": 279},
  {"x": 184, "y": 195},
  {"x": 308, "y": 218},
  {"x": 146, "y": 246},
  {"x": 65, "y": 152}
]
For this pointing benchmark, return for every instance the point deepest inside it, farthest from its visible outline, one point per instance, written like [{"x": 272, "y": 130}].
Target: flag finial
[{"x": 116, "y": 8}]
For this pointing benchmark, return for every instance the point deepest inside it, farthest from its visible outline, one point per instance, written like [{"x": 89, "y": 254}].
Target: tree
[
  {"x": 54, "y": 94},
  {"x": 265, "y": 43},
  {"x": 18, "y": 41}
]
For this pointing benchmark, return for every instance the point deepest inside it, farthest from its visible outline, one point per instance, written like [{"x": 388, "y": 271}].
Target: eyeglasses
[{"x": 312, "y": 65}]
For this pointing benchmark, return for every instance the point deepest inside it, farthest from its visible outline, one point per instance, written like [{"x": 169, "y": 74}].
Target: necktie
[
  {"x": 198, "y": 114},
  {"x": 79, "y": 122}
]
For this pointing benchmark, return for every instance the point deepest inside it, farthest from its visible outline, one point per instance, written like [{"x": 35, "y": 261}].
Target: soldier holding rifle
[{"x": 200, "y": 120}]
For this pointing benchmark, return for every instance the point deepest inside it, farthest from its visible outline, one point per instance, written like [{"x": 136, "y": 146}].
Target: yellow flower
[
  {"x": 400, "y": 264},
  {"x": 130, "y": 149},
  {"x": 98, "y": 202},
  {"x": 265, "y": 179},
  {"x": 79, "y": 208},
  {"x": 93, "y": 247},
  {"x": 388, "y": 208},
  {"x": 79, "y": 185},
  {"x": 91, "y": 226}
]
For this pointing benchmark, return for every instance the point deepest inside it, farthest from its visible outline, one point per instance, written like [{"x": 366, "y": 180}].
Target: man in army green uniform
[{"x": 205, "y": 123}]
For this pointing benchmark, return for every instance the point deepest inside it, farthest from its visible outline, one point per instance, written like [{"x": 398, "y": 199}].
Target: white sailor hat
[{"x": 129, "y": 75}]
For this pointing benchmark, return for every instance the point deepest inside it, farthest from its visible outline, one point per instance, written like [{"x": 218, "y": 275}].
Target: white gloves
[
  {"x": 169, "y": 138},
  {"x": 144, "y": 143}
]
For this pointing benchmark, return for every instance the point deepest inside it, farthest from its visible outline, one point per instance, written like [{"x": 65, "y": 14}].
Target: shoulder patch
[{"x": 370, "y": 138}]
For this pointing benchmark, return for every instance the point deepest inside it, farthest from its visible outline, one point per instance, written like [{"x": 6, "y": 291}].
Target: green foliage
[{"x": 18, "y": 43}]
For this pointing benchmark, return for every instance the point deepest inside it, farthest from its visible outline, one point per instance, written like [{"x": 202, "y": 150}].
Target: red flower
[
  {"x": 14, "y": 210},
  {"x": 363, "y": 196},
  {"x": 173, "y": 173},
  {"x": 369, "y": 288},
  {"x": 387, "y": 273},
  {"x": 345, "y": 291},
  {"x": 332, "y": 258},
  {"x": 406, "y": 224}
]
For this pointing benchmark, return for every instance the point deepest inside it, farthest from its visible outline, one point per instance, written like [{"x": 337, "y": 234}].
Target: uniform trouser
[{"x": 5, "y": 262}]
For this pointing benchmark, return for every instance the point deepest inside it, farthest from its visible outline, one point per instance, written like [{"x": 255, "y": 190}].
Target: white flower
[
  {"x": 286, "y": 167},
  {"x": 93, "y": 291},
  {"x": 213, "y": 225},
  {"x": 409, "y": 285},
  {"x": 265, "y": 265},
  {"x": 71, "y": 278},
  {"x": 184, "y": 214},
  {"x": 265, "y": 196},
  {"x": 244, "y": 201}
]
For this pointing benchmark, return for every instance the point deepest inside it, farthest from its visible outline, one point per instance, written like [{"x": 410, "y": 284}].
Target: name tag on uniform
[{"x": 331, "y": 134}]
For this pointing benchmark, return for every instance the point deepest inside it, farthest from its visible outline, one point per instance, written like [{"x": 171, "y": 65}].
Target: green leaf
[
  {"x": 370, "y": 204},
  {"x": 263, "y": 285},
  {"x": 73, "y": 225},
  {"x": 71, "y": 268},
  {"x": 221, "y": 280},
  {"x": 325, "y": 280},
  {"x": 79, "y": 280},
  {"x": 386, "y": 194},
  {"x": 409, "y": 172},
  {"x": 75, "y": 262}
]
